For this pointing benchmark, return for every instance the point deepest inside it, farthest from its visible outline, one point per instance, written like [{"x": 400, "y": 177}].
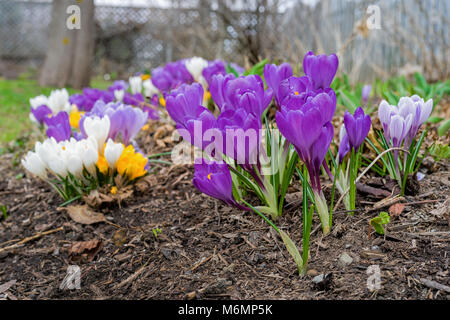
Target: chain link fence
[{"x": 414, "y": 34}]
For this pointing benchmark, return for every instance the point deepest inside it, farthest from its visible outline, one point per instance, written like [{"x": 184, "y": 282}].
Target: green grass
[{"x": 15, "y": 107}]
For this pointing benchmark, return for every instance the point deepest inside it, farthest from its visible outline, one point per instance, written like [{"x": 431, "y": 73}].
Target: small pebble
[
  {"x": 345, "y": 260},
  {"x": 312, "y": 272}
]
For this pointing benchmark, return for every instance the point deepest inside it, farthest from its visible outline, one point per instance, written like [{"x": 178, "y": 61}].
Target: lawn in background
[{"x": 15, "y": 107}]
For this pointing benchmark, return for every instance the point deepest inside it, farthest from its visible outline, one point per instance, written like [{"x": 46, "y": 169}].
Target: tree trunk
[{"x": 70, "y": 52}]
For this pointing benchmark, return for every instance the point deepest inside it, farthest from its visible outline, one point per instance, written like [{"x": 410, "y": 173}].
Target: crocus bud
[
  {"x": 399, "y": 128},
  {"x": 195, "y": 67},
  {"x": 365, "y": 93},
  {"x": 275, "y": 75},
  {"x": 74, "y": 164},
  {"x": 135, "y": 84},
  {"x": 357, "y": 127},
  {"x": 57, "y": 166},
  {"x": 113, "y": 152},
  {"x": 385, "y": 111},
  {"x": 320, "y": 69},
  {"x": 88, "y": 151},
  {"x": 97, "y": 128},
  {"x": 214, "y": 179}
]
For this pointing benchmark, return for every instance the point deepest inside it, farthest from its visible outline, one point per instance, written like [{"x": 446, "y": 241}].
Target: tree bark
[{"x": 69, "y": 56}]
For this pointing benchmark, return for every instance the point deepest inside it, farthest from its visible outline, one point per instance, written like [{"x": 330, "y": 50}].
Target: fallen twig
[
  {"x": 28, "y": 239},
  {"x": 435, "y": 285}
]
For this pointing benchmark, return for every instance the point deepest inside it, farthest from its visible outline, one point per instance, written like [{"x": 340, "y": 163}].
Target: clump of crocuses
[{"x": 401, "y": 124}]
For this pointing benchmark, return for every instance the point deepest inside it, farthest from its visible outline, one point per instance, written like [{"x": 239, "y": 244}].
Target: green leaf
[
  {"x": 440, "y": 151},
  {"x": 230, "y": 69},
  {"x": 257, "y": 68},
  {"x": 292, "y": 249},
  {"x": 4, "y": 212},
  {"x": 156, "y": 232},
  {"x": 421, "y": 82},
  {"x": 435, "y": 119},
  {"x": 378, "y": 222},
  {"x": 443, "y": 129},
  {"x": 349, "y": 100},
  {"x": 391, "y": 97}
]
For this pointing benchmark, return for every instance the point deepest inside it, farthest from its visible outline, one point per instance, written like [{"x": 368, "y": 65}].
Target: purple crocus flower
[
  {"x": 399, "y": 128},
  {"x": 162, "y": 79},
  {"x": 79, "y": 100},
  {"x": 274, "y": 75},
  {"x": 309, "y": 129},
  {"x": 41, "y": 113},
  {"x": 214, "y": 179},
  {"x": 183, "y": 101},
  {"x": 216, "y": 88},
  {"x": 320, "y": 69},
  {"x": 58, "y": 127},
  {"x": 184, "y": 106},
  {"x": 385, "y": 111},
  {"x": 420, "y": 111},
  {"x": 125, "y": 120},
  {"x": 297, "y": 89},
  {"x": 179, "y": 73},
  {"x": 241, "y": 131},
  {"x": 92, "y": 95},
  {"x": 357, "y": 127},
  {"x": 213, "y": 68},
  {"x": 244, "y": 92},
  {"x": 118, "y": 85}
]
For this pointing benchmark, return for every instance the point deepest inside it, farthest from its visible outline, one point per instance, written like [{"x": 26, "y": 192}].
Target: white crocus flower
[
  {"x": 98, "y": 128},
  {"x": 113, "y": 151},
  {"x": 149, "y": 89},
  {"x": 74, "y": 164},
  {"x": 57, "y": 166},
  {"x": 46, "y": 149},
  {"x": 88, "y": 151},
  {"x": 119, "y": 95},
  {"x": 34, "y": 164},
  {"x": 59, "y": 101},
  {"x": 38, "y": 101},
  {"x": 195, "y": 67},
  {"x": 135, "y": 84}
]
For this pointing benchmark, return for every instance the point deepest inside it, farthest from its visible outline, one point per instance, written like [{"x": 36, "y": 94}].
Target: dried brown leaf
[
  {"x": 84, "y": 215},
  {"x": 95, "y": 199},
  {"x": 120, "y": 237},
  {"x": 85, "y": 251},
  {"x": 396, "y": 209}
]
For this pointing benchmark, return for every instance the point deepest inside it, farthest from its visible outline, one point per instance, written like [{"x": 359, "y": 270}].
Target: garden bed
[{"x": 207, "y": 250}]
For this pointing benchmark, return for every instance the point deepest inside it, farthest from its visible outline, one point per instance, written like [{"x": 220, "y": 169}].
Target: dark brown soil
[{"x": 207, "y": 250}]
